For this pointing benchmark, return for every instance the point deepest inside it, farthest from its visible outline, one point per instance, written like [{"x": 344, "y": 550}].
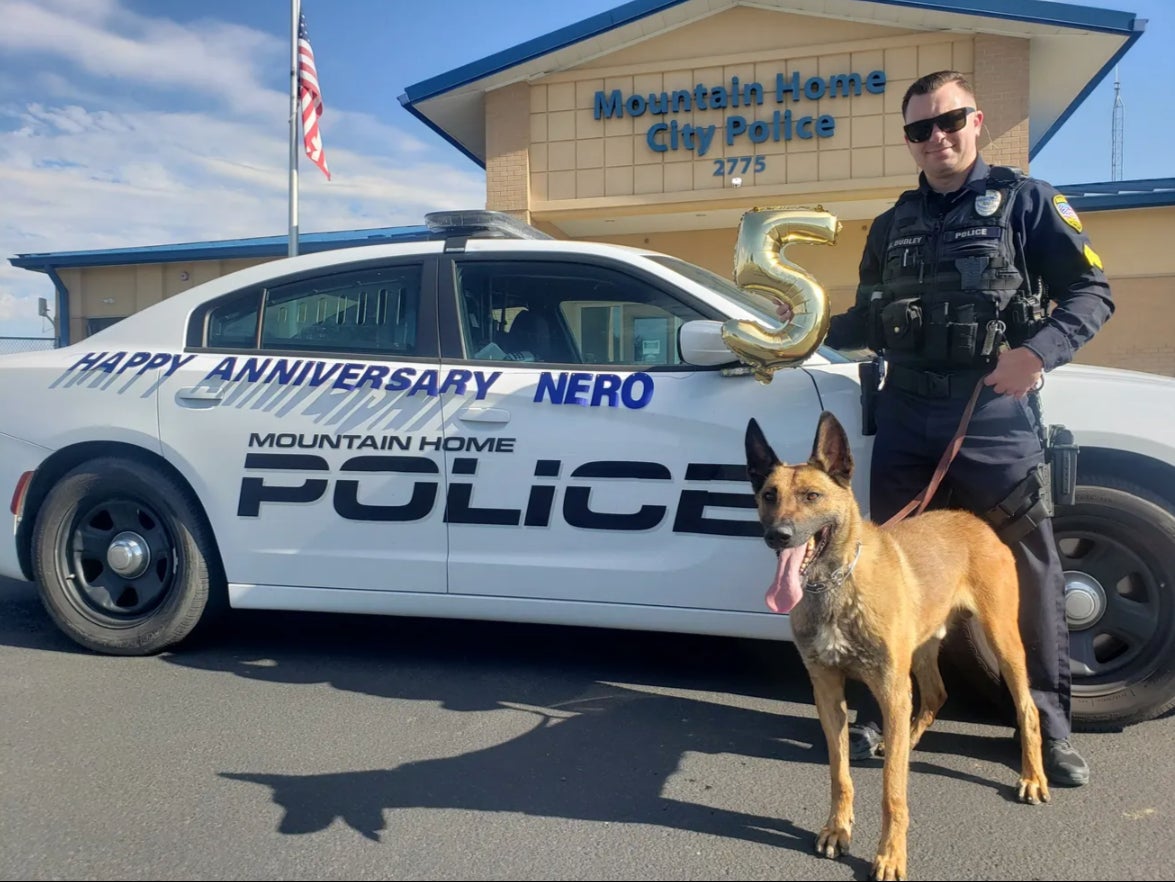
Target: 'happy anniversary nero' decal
[{"x": 587, "y": 389}]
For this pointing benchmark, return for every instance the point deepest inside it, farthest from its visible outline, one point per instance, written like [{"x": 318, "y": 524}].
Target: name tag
[
  {"x": 907, "y": 242},
  {"x": 973, "y": 233}
]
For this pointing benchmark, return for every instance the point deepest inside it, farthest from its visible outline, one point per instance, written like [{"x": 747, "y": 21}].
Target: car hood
[{"x": 1108, "y": 407}]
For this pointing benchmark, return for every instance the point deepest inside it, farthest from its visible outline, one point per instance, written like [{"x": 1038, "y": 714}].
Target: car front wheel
[{"x": 123, "y": 558}]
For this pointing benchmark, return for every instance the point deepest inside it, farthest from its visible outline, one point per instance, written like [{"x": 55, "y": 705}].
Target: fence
[{"x": 10, "y": 345}]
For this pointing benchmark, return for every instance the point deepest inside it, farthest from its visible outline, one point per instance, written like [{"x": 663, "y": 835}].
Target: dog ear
[
  {"x": 830, "y": 450},
  {"x": 761, "y": 459}
]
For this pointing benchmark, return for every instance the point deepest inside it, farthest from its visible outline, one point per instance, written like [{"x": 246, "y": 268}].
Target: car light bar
[{"x": 482, "y": 224}]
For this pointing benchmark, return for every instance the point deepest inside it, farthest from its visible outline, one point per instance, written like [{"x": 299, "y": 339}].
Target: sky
[{"x": 144, "y": 122}]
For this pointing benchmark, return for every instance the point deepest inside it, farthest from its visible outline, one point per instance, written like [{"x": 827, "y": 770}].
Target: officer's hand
[
  {"x": 1017, "y": 372},
  {"x": 784, "y": 311}
]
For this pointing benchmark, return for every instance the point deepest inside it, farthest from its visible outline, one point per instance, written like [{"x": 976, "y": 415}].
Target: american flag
[{"x": 310, "y": 98}]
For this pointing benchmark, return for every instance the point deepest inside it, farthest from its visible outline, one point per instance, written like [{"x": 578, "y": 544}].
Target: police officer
[{"x": 954, "y": 283}]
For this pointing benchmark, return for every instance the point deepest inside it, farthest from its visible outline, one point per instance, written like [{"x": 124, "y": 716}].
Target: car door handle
[
  {"x": 198, "y": 395},
  {"x": 484, "y": 415}
]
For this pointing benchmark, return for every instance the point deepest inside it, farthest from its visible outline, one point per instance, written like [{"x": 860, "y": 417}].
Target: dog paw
[
  {"x": 1034, "y": 792},
  {"x": 889, "y": 866},
  {"x": 833, "y": 841}
]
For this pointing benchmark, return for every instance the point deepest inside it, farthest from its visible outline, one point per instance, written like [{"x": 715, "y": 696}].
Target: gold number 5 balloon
[{"x": 759, "y": 265}]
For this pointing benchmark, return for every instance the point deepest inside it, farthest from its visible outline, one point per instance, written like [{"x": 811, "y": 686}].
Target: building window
[{"x": 94, "y": 325}]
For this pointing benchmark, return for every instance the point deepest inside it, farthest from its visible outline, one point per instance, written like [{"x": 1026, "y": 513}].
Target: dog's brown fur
[{"x": 885, "y": 621}]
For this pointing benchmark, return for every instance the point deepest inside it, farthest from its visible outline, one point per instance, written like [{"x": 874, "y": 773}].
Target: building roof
[
  {"x": 1108, "y": 195},
  {"x": 1103, "y": 196},
  {"x": 224, "y": 249},
  {"x": 1072, "y": 48}
]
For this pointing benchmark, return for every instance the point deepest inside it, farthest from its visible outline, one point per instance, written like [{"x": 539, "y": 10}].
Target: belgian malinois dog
[{"x": 874, "y": 604}]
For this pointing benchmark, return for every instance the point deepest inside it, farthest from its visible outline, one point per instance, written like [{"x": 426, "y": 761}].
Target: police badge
[{"x": 987, "y": 204}]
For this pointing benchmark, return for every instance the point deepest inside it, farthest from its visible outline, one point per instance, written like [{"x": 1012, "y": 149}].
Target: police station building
[{"x": 659, "y": 123}]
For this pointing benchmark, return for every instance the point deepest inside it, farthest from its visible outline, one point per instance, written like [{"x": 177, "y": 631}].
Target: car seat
[{"x": 530, "y": 333}]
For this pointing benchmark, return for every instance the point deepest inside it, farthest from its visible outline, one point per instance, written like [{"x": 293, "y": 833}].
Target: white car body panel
[
  {"x": 1113, "y": 409},
  {"x": 721, "y": 623},
  {"x": 693, "y": 418},
  {"x": 305, "y": 544}
]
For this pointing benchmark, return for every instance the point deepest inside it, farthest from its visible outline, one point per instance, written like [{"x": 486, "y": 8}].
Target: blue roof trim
[
  {"x": 1138, "y": 26},
  {"x": 1066, "y": 15},
  {"x": 1111, "y": 195},
  {"x": 566, "y": 36},
  {"x": 1034, "y": 11},
  {"x": 266, "y": 246}
]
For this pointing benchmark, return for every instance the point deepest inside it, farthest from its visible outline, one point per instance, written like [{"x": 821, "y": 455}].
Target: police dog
[{"x": 874, "y": 603}]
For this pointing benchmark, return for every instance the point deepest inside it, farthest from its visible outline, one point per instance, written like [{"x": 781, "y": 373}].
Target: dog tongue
[{"x": 785, "y": 592}]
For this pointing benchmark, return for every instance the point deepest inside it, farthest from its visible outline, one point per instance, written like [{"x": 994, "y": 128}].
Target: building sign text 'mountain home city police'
[{"x": 780, "y": 126}]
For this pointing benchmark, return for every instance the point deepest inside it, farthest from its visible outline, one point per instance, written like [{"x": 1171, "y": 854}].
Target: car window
[
  {"x": 232, "y": 324},
  {"x": 567, "y": 313},
  {"x": 370, "y": 311}
]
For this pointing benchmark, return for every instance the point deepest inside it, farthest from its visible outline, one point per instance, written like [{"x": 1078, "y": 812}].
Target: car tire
[
  {"x": 124, "y": 558},
  {"x": 1117, "y": 545}
]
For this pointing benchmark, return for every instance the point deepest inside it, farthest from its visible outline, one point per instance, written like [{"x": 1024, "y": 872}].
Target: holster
[
  {"x": 870, "y": 375},
  {"x": 1025, "y": 508},
  {"x": 1061, "y": 455}
]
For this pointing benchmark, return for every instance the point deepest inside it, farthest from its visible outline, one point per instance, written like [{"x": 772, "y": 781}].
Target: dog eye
[
  {"x": 769, "y": 496},
  {"x": 812, "y": 496}
]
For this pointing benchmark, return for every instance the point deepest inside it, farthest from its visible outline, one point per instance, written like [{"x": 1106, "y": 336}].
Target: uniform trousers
[{"x": 1001, "y": 448}]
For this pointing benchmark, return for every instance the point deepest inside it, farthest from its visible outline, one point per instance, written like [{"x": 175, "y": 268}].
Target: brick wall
[
  {"x": 1001, "y": 90},
  {"x": 507, "y": 150}
]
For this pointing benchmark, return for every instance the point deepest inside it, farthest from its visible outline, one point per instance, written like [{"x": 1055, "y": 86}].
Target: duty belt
[{"x": 932, "y": 384}]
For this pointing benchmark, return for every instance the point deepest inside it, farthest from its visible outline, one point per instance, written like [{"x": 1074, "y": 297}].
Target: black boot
[
  {"x": 1063, "y": 765},
  {"x": 864, "y": 741}
]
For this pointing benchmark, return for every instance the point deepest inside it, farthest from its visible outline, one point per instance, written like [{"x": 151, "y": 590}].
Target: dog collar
[{"x": 837, "y": 578}]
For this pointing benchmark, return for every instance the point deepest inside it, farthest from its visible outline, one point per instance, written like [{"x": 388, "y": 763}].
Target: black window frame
[{"x": 427, "y": 328}]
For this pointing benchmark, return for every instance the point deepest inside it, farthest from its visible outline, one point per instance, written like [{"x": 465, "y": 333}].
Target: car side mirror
[{"x": 702, "y": 344}]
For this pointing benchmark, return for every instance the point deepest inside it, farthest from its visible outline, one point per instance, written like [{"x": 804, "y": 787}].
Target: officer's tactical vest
[{"x": 951, "y": 290}]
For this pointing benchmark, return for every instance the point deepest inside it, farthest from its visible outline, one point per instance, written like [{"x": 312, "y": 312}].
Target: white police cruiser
[{"x": 497, "y": 425}]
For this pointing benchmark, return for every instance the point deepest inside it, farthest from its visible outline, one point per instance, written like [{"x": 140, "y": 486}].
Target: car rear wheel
[
  {"x": 1117, "y": 548},
  {"x": 124, "y": 559}
]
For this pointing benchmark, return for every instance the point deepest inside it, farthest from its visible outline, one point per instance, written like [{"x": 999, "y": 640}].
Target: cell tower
[{"x": 1116, "y": 132}]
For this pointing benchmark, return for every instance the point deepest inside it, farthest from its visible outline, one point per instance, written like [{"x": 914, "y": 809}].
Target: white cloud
[
  {"x": 112, "y": 43},
  {"x": 80, "y": 174}
]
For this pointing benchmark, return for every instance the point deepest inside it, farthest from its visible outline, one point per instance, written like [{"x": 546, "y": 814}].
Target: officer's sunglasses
[{"x": 951, "y": 121}]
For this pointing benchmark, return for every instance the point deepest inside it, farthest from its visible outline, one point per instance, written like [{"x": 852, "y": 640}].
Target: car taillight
[{"x": 22, "y": 486}]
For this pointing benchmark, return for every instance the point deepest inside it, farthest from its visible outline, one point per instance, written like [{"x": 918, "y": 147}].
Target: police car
[{"x": 496, "y": 425}]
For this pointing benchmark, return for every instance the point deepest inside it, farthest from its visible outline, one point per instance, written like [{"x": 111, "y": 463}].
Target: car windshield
[{"x": 759, "y": 305}]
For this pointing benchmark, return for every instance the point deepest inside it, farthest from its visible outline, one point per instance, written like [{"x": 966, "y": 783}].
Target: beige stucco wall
[{"x": 119, "y": 291}]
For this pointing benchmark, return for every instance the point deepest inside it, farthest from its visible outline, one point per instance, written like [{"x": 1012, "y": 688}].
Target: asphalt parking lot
[{"x": 297, "y": 746}]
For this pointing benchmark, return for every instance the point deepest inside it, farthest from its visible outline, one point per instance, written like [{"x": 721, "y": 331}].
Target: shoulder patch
[
  {"x": 1093, "y": 258},
  {"x": 1065, "y": 210}
]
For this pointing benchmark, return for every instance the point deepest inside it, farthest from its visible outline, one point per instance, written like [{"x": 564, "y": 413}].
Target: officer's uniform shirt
[{"x": 1049, "y": 240}]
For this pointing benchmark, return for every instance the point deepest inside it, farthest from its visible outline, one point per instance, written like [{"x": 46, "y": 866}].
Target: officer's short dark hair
[{"x": 933, "y": 82}]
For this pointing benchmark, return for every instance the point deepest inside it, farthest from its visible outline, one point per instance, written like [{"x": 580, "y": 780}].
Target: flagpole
[{"x": 295, "y": 13}]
